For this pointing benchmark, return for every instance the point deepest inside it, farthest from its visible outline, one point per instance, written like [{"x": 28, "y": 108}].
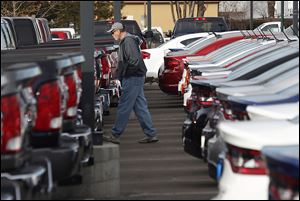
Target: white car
[
  {"x": 285, "y": 111},
  {"x": 244, "y": 171},
  {"x": 155, "y": 58}
]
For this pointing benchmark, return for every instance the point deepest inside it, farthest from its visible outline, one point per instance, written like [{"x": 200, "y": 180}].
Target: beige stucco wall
[{"x": 161, "y": 13}]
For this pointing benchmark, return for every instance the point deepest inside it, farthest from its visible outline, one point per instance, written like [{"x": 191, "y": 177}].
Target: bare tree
[
  {"x": 271, "y": 9},
  {"x": 260, "y": 8},
  {"x": 233, "y": 9},
  {"x": 187, "y": 9}
]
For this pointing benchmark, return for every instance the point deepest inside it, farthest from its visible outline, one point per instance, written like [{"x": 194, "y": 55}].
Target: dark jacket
[{"x": 130, "y": 61}]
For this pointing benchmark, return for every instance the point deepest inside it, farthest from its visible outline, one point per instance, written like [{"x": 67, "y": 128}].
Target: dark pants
[{"x": 133, "y": 99}]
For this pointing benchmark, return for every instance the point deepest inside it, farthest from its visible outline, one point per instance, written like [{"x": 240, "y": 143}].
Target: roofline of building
[{"x": 162, "y": 2}]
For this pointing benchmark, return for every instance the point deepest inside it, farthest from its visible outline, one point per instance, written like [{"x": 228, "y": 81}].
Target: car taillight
[
  {"x": 11, "y": 140},
  {"x": 49, "y": 115},
  {"x": 146, "y": 55},
  {"x": 144, "y": 45},
  {"x": 246, "y": 161},
  {"x": 283, "y": 187},
  {"x": 171, "y": 63},
  {"x": 79, "y": 72},
  {"x": 205, "y": 101},
  {"x": 71, "y": 109},
  {"x": 105, "y": 65},
  {"x": 227, "y": 111}
]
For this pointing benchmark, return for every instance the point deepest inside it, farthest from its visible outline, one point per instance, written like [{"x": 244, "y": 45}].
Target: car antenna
[
  {"x": 295, "y": 32},
  {"x": 289, "y": 40},
  {"x": 277, "y": 40}
]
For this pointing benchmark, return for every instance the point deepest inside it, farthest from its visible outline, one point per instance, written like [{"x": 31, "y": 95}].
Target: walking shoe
[
  {"x": 148, "y": 140},
  {"x": 113, "y": 139}
]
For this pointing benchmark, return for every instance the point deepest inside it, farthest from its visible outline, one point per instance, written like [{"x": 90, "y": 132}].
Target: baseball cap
[{"x": 116, "y": 26}]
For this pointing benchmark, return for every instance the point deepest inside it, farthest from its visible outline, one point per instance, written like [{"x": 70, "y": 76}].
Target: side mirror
[
  {"x": 148, "y": 34},
  {"x": 169, "y": 34}
]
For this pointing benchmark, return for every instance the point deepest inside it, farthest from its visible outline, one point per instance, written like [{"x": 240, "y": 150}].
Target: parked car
[
  {"x": 273, "y": 26},
  {"x": 171, "y": 75},
  {"x": 23, "y": 174},
  {"x": 219, "y": 62},
  {"x": 245, "y": 174},
  {"x": 206, "y": 102},
  {"x": 198, "y": 25},
  {"x": 283, "y": 170},
  {"x": 153, "y": 58}
]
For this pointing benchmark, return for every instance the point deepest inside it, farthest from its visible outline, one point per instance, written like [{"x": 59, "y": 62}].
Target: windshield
[
  {"x": 189, "y": 26},
  {"x": 102, "y": 27}
]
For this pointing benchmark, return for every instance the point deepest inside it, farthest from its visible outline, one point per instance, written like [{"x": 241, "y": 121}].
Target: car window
[
  {"x": 26, "y": 34},
  {"x": 272, "y": 27},
  {"x": 157, "y": 39},
  {"x": 189, "y": 26}
]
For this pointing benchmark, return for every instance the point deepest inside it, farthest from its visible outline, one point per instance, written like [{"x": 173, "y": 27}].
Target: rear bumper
[
  {"x": 64, "y": 159},
  {"x": 31, "y": 181},
  {"x": 168, "y": 81},
  {"x": 83, "y": 135},
  {"x": 13, "y": 161}
]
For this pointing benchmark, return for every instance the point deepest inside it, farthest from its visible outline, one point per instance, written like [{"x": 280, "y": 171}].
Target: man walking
[{"x": 131, "y": 73}]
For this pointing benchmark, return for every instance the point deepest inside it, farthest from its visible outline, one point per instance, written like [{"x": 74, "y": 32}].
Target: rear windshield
[
  {"x": 26, "y": 34},
  {"x": 102, "y": 27},
  {"x": 189, "y": 26}
]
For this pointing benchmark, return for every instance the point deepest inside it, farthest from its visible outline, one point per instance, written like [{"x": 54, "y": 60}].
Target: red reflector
[
  {"x": 49, "y": 108},
  {"x": 146, "y": 55},
  {"x": 246, "y": 161},
  {"x": 10, "y": 109}
]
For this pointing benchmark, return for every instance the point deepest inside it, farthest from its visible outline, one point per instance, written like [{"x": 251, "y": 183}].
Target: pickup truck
[
  {"x": 273, "y": 26},
  {"x": 198, "y": 25},
  {"x": 54, "y": 134}
]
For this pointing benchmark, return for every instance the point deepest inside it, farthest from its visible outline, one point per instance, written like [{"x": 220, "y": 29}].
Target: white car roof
[
  {"x": 277, "y": 112},
  {"x": 257, "y": 134}
]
